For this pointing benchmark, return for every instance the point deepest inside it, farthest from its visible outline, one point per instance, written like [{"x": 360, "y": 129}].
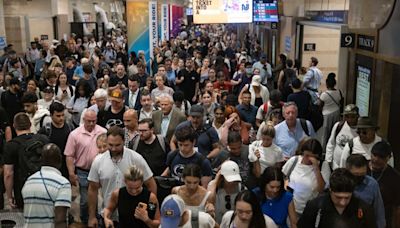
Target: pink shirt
[{"x": 81, "y": 145}]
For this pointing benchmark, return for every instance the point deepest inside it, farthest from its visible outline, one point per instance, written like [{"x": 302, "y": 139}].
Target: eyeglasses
[{"x": 228, "y": 205}]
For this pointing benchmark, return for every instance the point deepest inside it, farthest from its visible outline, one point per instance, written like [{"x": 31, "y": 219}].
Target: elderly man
[
  {"x": 108, "y": 170},
  {"x": 168, "y": 118},
  {"x": 80, "y": 151},
  {"x": 363, "y": 143},
  {"x": 292, "y": 130},
  {"x": 101, "y": 96}
]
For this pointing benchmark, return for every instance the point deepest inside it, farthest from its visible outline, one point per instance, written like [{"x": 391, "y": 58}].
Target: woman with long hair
[
  {"x": 247, "y": 213},
  {"x": 196, "y": 197},
  {"x": 79, "y": 101},
  {"x": 63, "y": 90},
  {"x": 306, "y": 173},
  {"x": 259, "y": 93},
  {"x": 208, "y": 105},
  {"x": 33, "y": 87},
  {"x": 234, "y": 123},
  {"x": 276, "y": 202}
]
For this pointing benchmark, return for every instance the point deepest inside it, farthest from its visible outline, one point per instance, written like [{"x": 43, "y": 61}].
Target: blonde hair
[
  {"x": 134, "y": 174},
  {"x": 268, "y": 129}
]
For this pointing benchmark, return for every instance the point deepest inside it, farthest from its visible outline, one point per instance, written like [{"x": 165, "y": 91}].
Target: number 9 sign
[{"x": 347, "y": 40}]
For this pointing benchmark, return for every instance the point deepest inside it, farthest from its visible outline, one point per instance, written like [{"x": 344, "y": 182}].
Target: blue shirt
[
  {"x": 277, "y": 209},
  {"x": 247, "y": 113},
  {"x": 171, "y": 76},
  {"x": 288, "y": 140},
  {"x": 369, "y": 192}
]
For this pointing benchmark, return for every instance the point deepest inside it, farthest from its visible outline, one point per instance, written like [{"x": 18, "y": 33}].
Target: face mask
[{"x": 359, "y": 179}]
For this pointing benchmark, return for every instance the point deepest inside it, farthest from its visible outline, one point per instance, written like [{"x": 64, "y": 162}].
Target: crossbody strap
[
  {"x": 333, "y": 99},
  {"x": 48, "y": 193}
]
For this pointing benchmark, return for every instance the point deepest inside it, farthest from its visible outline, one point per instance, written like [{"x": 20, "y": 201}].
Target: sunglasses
[{"x": 228, "y": 205}]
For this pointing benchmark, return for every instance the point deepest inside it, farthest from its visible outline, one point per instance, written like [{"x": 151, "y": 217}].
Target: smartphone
[{"x": 142, "y": 205}]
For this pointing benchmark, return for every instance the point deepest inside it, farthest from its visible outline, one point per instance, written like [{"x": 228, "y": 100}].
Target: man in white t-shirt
[
  {"x": 342, "y": 132},
  {"x": 107, "y": 172},
  {"x": 363, "y": 143},
  {"x": 174, "y": 215}
]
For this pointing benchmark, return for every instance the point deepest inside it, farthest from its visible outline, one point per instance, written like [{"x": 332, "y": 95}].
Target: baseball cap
[
  {"x": 350, "y": 109},
  {"x": 196, "y": 110},
  {"x": 230, "y": 171},
  {"x": 171, "y": 211},
  {"x": 256, "y": 80},
  {"x": 116, "y": 94}
]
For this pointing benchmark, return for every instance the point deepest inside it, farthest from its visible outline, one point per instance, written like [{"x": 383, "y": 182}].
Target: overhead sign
[
  {"x": 310, "y": 47},
  {"x": 363, "y": 90},
  {"x": 164, "y": 22},
  {"x": 329, "y": 16},
  {"x": 153, "y": 26},
  {"x": 44, "y": 37},
  {"x": 348, "y": 40},
  {"x": 366, "y": 42},
  {"x": 265, "y": 11},
  {"x": 222, "y": 11},
  {"x": 3, "y": 42}
]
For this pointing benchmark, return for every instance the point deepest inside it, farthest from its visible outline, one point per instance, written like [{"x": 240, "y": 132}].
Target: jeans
[{"x": 83, "y": 191}]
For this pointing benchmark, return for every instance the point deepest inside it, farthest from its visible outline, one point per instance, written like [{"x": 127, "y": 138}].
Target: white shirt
[
  {"x": 329, "y": 105},
  {"x": 269, "y": 155},
  {"x": 335, "y": 144},
  {"x": 304, "y": 181},
  {"x": 361, "y": 148},
  {"x": 133, "y": 98},
  {"x": 110, "y": 174},
  {"x": 226, "y": 220}
]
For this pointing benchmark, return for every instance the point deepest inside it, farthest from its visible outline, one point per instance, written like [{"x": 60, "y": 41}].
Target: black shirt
[
  {"x": 11, "y": 103},
  {"x": 356, "y": 215},
  {"x": 389, "y": 184},
  {"x": 115, "y": 80},
  {"x": 109, "y": 119},
  {"x": 154, "y": 155},
  {"x": 188, "y": 86},
  {"x": 302, "y": 100},
  {"x": 127, "y": 205}
]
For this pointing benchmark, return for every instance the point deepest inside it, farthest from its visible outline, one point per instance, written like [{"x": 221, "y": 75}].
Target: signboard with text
[
  {"x": 310, "y": 47},
  {"x": 366, "y": 42},
  {"x": 153, "y": 30},
  {"x": 363, "y": 90},
  {"x": 222, "y": 11},
  {"x": 329, "y": 16}
]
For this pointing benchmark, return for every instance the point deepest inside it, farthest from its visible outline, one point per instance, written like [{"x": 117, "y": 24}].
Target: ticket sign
[{"x": 222, "y": 11}]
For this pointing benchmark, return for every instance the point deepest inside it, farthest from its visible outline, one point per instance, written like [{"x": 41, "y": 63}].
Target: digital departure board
[{"x": 265, "y": 11}]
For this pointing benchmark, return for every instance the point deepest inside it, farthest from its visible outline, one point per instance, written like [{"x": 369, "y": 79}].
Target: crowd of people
[{"x": 205, "y": 133}]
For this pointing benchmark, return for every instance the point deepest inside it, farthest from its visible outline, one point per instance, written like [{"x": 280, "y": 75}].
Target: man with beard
[
  {"x": 113, "y": 115},
  {"x": 11, "y": 99},
  {"x": 107, "y": 172},
  {"x": 366, "y": 189}
]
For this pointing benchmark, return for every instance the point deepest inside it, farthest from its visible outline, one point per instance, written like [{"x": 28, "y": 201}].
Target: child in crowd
[{"x": 101, "y": 143}]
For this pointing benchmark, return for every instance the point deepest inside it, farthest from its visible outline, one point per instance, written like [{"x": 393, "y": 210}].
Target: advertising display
[
  {"x": 265, "y": 11},
  {"x": 176, "y": 15},
  {"x": 164, "y": 22},
  {"x": 138, "y": 26},
  {"x": 153, "y": 26},
  {"x": 222, "y": 11},
  {"x": 363, "y": 90}
]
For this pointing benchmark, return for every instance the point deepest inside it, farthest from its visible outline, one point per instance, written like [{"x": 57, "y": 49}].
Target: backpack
[
  {"x": 265, "y": 107},
  {"x": 304, "y": 125},
  {"x": 29, "y": 154},
  {"x": 339, "y": 128},
  {"x": 135, "y": 143},
  {"x": 48, "y": 128},
  {"x": 315, "y": 115}
]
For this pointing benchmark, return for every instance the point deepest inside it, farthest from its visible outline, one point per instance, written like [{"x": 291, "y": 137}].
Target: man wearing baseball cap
[
  {"x": 363, "y": 143},
  {"x": 174, "y": 215},
  {"x": 113, "y": 115},
  {"x": 207, "y": 141},
  {"x": 342, "y": 132}
]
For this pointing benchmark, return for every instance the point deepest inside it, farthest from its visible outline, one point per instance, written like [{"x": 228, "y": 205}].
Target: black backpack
[{"x": 30, "y": 153}]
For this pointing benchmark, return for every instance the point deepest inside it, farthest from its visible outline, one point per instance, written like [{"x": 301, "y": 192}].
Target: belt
[{"x": 85, "y": 170}]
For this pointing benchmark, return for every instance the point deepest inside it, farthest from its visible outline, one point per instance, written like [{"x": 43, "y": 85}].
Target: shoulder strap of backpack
[
  {"x": 161, "y": 141},
  {"x": 339, "y": 128},
  {"x": 71, "y": 89},
  {"x": 304, "y": 125},
  {"x": 351, "y": 145},
  {"x": 48, "y": 128},
  {"x": 292, "y": 167},
  {"x": 135, "y": 143},
  {"x": 42, "y": 120}
]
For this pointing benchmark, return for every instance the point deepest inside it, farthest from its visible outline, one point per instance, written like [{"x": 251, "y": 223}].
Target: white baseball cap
[{"x": 230, "y": 171}]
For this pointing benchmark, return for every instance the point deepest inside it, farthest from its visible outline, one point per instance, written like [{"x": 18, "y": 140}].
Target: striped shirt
[{"x": 39, "y": 202}]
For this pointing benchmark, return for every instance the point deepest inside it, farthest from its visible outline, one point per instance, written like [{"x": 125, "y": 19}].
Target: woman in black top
[{"x": 137, "y": 206}]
